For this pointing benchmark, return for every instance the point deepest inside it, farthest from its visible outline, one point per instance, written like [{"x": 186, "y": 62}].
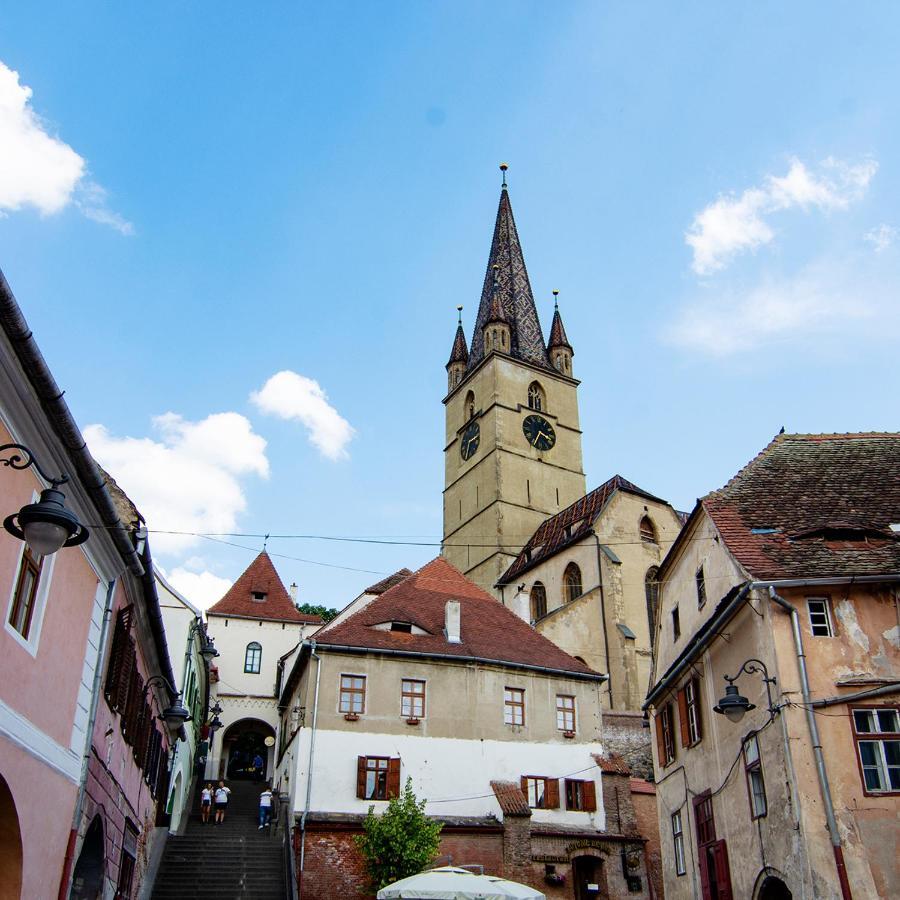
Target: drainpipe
[
  {"x": 89, "y": 742},
  {"x": 816, "y": 745},
  {"x": 309, "y": 769},
  {"x": 603, "y": 614}
]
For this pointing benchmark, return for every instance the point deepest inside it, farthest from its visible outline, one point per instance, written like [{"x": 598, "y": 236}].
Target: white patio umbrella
[{"x": 453, "y": 883}]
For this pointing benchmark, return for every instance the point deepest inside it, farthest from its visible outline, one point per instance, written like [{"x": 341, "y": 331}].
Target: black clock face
[
  {"x": 539, "y": 432},
  {"x": 468, "y": 443}
]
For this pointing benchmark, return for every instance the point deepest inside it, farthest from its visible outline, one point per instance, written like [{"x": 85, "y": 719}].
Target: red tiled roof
[
  {"x": 388, "y": 582},
  {"x": 488, "y": 630},
  {"x": 260, "y": 577},
  {"x": 511, "y": 799},
  {"x": 814, "y": 505},
  {"x": 641, "y": 786},
  {"x": 612, "y": 764},
  {"x": 556, "y": 532}
]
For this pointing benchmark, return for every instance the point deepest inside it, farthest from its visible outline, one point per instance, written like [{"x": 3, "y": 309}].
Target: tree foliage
[
  {"x": 311, "y": 609},
  {"x": 400, "y": 842}
]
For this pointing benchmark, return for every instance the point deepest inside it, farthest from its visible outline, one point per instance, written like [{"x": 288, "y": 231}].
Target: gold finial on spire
[
  {"x": 556, "y": 299},
  {"x": 459, "y": 313},
  {"x": 503, "y": 168}
]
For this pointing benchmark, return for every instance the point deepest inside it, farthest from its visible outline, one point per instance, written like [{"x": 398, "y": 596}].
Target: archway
[
  {"x": 87, "y": 879},
  {"x": 773, "y": 888},
  {"x": 246, "y": 750},
  {"x": 10, "y": 845},
  {"x": 588, "y": 880}
]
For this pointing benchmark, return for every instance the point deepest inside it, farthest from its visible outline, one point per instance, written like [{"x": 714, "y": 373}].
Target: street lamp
[
  {"x": 208, "y": 651},
  {"x": 176, "y": 714},
  {"x": 46, "y": 526},
  {"x": 733, "y": 705}
]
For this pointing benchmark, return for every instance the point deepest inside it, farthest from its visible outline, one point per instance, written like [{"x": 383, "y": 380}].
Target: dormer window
[
  {"x": 258, "y": 596},
  {"x": 404, "y": 627}
]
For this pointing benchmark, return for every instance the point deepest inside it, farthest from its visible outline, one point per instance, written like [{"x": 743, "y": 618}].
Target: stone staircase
[{"x": 231, "y": 861}]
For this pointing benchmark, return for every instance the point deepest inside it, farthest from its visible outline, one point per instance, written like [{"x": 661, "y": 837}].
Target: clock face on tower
[
  {"x": 539, "y": 432},
  {"x": 468, "y": 443}
]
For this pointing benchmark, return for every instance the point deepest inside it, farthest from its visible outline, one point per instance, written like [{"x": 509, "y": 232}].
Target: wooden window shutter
[
  {"x": 723, "y": 873},
  {"x": 590, "y": 796},
  {"x": 123, "y": 681},
  {"x": 551, "y": 794},
  {"x": 683, "y": 718},
  {"x": 660, "y": 739},
  {"x": 361, "y": 777},
  {"x": 393, "y": 779},
  {"x": 523, "y": 783},
  {"x": 698, "y": 709},
  {"x": 116, "y": 656}
]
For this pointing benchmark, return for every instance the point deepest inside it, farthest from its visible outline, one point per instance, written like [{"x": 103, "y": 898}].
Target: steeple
[
  {"x": 512, "y": 295},
  {"x": 558, "y": 347},
  {"x": 496, "y": 327},
  {"x": 459, "y": 355}
]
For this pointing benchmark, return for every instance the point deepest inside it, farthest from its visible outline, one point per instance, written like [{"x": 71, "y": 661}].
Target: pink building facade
[{"x": 80, "y": 770}]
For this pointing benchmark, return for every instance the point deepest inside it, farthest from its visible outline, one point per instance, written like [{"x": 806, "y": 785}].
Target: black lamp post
[
  {"x": 46, "y": 526},
  {"x": 208, "y": 651},
  {"x": 176, "y": 714},
  {"x": 733, "y": 705}
]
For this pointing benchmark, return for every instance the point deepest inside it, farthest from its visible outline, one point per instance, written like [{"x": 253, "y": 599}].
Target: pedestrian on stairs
[
  {"x": 206, "y": 802},
  {"x": 265, "y": 807},
  {"x": 222, "y": 793}
]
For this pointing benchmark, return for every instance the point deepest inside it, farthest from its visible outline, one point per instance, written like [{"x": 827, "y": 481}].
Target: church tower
[{"x": 512, "y": 451}]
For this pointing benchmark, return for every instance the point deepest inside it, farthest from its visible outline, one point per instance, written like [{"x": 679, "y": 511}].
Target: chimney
[
  {"x": 521, "y": 604},
  {"x": 452, "y": 623},
  {"x": 293, "y": 590}
]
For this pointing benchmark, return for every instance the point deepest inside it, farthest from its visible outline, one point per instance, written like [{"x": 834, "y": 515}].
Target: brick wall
[{"x": 643, "y": 796}]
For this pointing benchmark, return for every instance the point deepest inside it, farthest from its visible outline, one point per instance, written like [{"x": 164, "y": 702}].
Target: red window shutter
[
  {"x": 393, "y": 779},
  {"x": 523, "y": 783},
  {"x": 697, "y": 708},
  {"x": 683, "y": 718},
  {"x": 723, "y": 873},
  {"x": 551, "y": 794},
  {"x": 660, "y": 738},
  {"x": 116, "y": 655},
  {"x": 123, "y": 682},
  {"x": 589, "y": 790},
  {"x": 361, "y": 777}
]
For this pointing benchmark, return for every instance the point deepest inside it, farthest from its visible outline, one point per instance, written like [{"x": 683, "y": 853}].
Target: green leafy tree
[
  {"x": 400, "y": 842},
  {"x": 325, "y": 612}
]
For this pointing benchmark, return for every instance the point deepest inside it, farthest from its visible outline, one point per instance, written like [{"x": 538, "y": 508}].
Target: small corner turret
[
  {"x": 459, "y": 355},
  {"x": 558, "y": 347}
]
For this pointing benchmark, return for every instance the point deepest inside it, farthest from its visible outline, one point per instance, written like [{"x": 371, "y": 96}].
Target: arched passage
[
  {"x": 773, "y": 888},
  {"x": 245, "y": 749},
  {"x": 176, "y": 803},
  {"x": 10, "y": 845},
  {"x": 87, "y": 878}
]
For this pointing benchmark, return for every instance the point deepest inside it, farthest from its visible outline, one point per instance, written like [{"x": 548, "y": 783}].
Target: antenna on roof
[
  {"x": 459, "y": 311},
  {"x": 265, "y": 541},
  {"x": 556, "y": 299},
  {"x": 503, "y": 168}
]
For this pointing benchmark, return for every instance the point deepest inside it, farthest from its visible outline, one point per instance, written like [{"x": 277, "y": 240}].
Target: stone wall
[{"x": 625, "y": 735}]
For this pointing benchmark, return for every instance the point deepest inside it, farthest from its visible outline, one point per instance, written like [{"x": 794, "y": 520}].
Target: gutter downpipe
[
  {"x": 603, "y": 614},
  {"x": 309, "y": 769},
  {"x": 69, "y": 858},
  {"x": 821, "y": 772}
]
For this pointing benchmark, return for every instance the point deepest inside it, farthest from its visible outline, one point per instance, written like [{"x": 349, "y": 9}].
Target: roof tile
[{"x": 511, "y": 799}]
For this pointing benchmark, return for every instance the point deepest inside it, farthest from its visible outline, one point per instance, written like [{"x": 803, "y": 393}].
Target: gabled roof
[
  {"x": 814, "y": 505},
  {"x": 385, "y": 583},
  {"x": 514, "y": 294},
  {"x": 512, "y": 800},
  {"x": 489, "y": 631},
  {"x": 260, "y": 577},
  {"x": 569, "y": 525}
]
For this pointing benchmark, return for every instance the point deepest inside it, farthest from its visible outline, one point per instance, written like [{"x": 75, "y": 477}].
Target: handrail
[{"x": 287, "y": 843}]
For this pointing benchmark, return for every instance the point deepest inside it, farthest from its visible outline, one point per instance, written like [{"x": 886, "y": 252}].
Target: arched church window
[
  {"x": 538, "y": 601},
  {"x": 651, "y": 589},
  {"x": 470, "y": 406},
  {"x": 648, "y": 530},
  {"x": 572, "y": 583},
  {"x": 253, "y": 658},
  {"x": 536, "y": 397}
]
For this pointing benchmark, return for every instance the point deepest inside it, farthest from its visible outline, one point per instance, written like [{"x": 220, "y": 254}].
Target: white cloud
[
  {"x": 189, "y": 479},
  {"x": 40, "y": 170},
  {"x": 203, "y": 589},
  {"x": 292, "y": 396},
  {"x": 827, "y": 298},
  {"x": 733, "y": 224},
  {"x": 882, "y": 237}
]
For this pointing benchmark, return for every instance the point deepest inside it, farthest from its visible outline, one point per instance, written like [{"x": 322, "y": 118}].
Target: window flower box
[
  {"x": 569, "y": 734},
  {"x": 351, "y": 717},
  {"x": 412, "y": 720},
  {"x": 555, "y": 878}
]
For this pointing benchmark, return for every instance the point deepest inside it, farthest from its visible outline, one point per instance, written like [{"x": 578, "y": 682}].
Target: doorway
[
  {"x": 87, "y": 879},
  {"x": 10, "y": 845},
  {"x": 774, "y": 888},
  {"x": 247, "y": 744},
  {"x": 587, "y": 878}
]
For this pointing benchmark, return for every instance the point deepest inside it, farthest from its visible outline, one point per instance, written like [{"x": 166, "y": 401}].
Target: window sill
[
  {"x": 412, "y": 720},
  {"x": 568, "y": 734},
  {"x": 351, "y": 717}
]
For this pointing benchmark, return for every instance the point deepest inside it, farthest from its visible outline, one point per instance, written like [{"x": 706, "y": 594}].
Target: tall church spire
[{"x": 513, "y": 293}]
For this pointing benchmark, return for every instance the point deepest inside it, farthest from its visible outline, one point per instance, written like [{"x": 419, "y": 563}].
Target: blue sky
[{"x": 226, "y": 193}]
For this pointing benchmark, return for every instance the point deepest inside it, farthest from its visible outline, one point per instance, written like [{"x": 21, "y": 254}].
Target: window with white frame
[
  {"x": 26, "y": 592},
  {"x": 877, "y": 734},
  {"x": 819, "y": 617},
  {"x": 756, "y": 787},
  {"x": 514, "y": 706},
  {"x": 678, "y": 842},
  {"x": 412, "y": 698},
  {"x": 565, "y": 712},
  {"x": 353, "y": 694}
]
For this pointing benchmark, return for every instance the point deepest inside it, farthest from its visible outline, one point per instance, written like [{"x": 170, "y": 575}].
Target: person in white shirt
[
  {"x": 265, "y": 807},
  {"x": 222, "y": 793},
  {"x": 206, "y": 802}
]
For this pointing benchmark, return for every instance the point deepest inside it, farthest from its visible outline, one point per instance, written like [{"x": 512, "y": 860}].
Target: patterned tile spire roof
[
  {"x": 459, "y": 352},
  {"x": 260, "y": 594},
  {"x": 514, "y": 294},
  {"x": 558, "y": 332}
]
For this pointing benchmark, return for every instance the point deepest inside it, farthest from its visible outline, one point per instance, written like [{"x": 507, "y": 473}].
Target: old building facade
[{"x": 779, "y": 605}]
